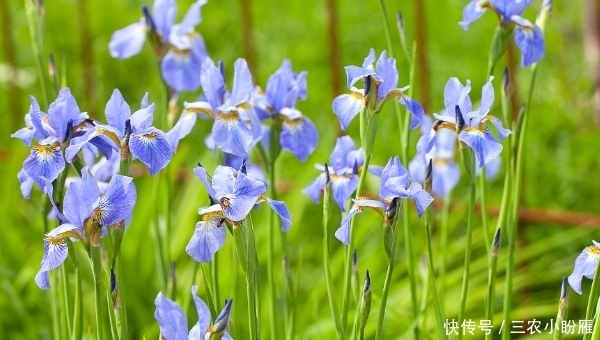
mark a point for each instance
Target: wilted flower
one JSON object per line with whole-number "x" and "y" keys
{"x": 344, "y": 164}
{"x": 395, "y": 183}
{"x": 585, "y": 265}
{"x": 470, "y": 125}
{"x": 173, "y": 322}
{"x": 86, "y": 214}
{"x": 528, "y": 37}
{"x": 235, "y": 194}
{"x": 298, "y": 133}
{"x": 181, "y": 64}
{"x": 382, "y": 79}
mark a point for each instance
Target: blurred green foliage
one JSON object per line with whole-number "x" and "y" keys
{"x": 561, "y": 168}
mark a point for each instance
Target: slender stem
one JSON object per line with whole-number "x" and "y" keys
{"x": 35, "y": 22}
{"x": 78, "y": 305}
{"x": 386, "y": 289}
{"x": 444, "y": 226}
{"x": 158, "y": 248}
{"x": 250, "y": 290}
{"x": 491, "y": 291}
{"x": 593, "y": 298}
{"x": 326, "y": 263}
{"x": 483, "y": 192}
{"x": 596, "y": 332}
{"x": 66, "y": 302}
{"x": 95, "y": 258}
{"x": 470, "y": 222}
{"x": 270, "y": 255}
{"x": 437, "y": 305}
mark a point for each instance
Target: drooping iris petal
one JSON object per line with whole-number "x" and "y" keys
{"x": 299, "y": 136}
{"x": 502, "y": 132}
{"x": 208, "y": 238}
{"x": 152, "y": 148}
{"x": 342, "y": 188}
{"x": 530, "y": 41}
{"x": 181, "y": 69}
{"x": 25, "y": 134}
{"x": 55, "y": 252}
{"x": 200, "y": 172}
{"x": 315, "y": 188}
{"x": 117, "y": 111}
{"x": 171, "y": 319}
{"x": 483, "y": 143}
{"x": 421, "y": 197}
{"x": 416, "y": 111}
{"x": 44, "y": 161}
{"x": 128, "y": 41}
{"x": 343, "y": 232}
{"x": 426, "y": 142}
{"x": 80, "y": 198}
{"x": 231, "y": 134}
{"x": 585, "y": 265}
{"x": 472, "y": 12}
{"x": 245, "y": 194}
{"x": 117, "y": 202}
{"x": 347, "y": 106}
{"x": 182, "y": 128}
{"x": 445, "y": 177}
{"x": 26, "y": 183}
{"x": 283, "y": 213}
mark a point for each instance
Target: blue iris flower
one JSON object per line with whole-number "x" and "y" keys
{"x": 236, "y": 128}
{"x": 385, "y": 79}
{"x": 395, "y": 183}
{"x": 173, "y": 322}
{"x": 235, "y": 194}
{"x": 585, "y": 265}
{"x": 298, "y": 133}
{"x": 472, "y": 130}
{"x": 54, "y": 132}
{"x": 147, "y": 143}
{"x": 528, "y": 37}
{"x": 85, "y": 210}
{"x": 445, "y": 172}
{"x": 344, "y": 164}
{"x": 181, "y": 64}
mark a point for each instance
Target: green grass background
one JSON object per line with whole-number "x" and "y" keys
{"x": 561, "y": 171}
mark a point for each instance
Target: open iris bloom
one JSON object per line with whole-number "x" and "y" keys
{"x": 585, "y": 265}
{"x": 236, "y": 128}
{"x": 86, "y": 216}
{"x": 470, "y": 125}
{"x": 395, "y": 184}
{"x": 173, "y": 322}
{"x": 54, "y": 132}
{"x": 380, "y": 86}
{"x": 445, "y": 171}
{"x": 298, "y": 133}
{"x": 344, "y": 164}
{"x": 185, "y": 50}
{"x": 528, "y": 37}
{"x": 136, "y": 132}
{"x": 235, "y": 194}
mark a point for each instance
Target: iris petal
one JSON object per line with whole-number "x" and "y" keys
{"x": 202, "y": 311}
{"x": 118, "y": 200}
{"x": 171, "y": 319}
{"x": 80, "y": 198}
{"x": 347, "y": 106}
{"x": 421, "y": 197}
{"x": 531, "y": 43}
{"x": 283, "y": 213}
{"x": 299, "y": 136}
{"x": 231, "y": 134}
{"x": 242, "y": 83}
{"x": 483, "y": 143}
{"x": 343, "y": 232}
{"x": 117, "y": 111}
{"x": 200, "y": 172}
{"x": 472, "y": 12}
{"x": 44, "y": 161}
{"x": 315, "y": 188}
{"x": 182, "y": 128}
{"x": 128, "y": 41}
{"x": 181, "y": 69}
{"x": 342, "y": 188}
{"x": 208, "y": 238}
{"x": 416, "y": 111}
{"x": 152, "y": 148}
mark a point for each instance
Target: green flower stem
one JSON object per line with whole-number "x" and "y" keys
{"x": 326, "y": 262}
{"x": 246, "y": 251}
{"x": 95, "y": 259}
{"x": 593, "y": 298}
{"x": 55, "y": 314}
{"x": 483, "y": 194}
{"x": 78, "y": 305}
{"x": 468, "y": 246}
{"x": 386, "y": 284}
{"x": 437, "y": 305}
{"x": 35, "y": 21}
{"x": 210, "y": 299}
{"x": 563, "y": 311}
{"x": 596, "y": 331}
{"x": 161, "y": 268}
{"x": 491, "y": 290}
{"x": 270, "y": 254}
{"x": 444, "y": 226}
{"x": 66, "y": 295}
{"x": 350, "y": 248}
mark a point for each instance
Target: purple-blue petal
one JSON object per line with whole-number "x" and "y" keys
{"x": 531, "y": 43}
{"x": 80, "y": 197}
{"x": 339, "y": 156}
{"x": 181, "y": 69}
{"x": 472, "y": 12}
{"x": 202, "y": 175}
{"x": 347, "y": 106}
{"x": 386, "y": 69}
{"x": 502, "y": 132}
{"x": 421, "y": 198}
{"x": 393, "y": 168}
{"x": 202, "y": 311}
{"x": 44, "y": 161}
{"x": 208, "y": 238}
{"x": 585, "y": 265}
{"x": 141, "y": 119}
{"x": 232, "y": 135}
{"x": 282, "y": 211}
{"x": 342, "y": 187}
{"x": 242, "y": 83}
{"x": 457, "y": 94}
{"x": 416, "y": 111}
{"x": 246, "y": 191}
{"x": 343, "y": 232}
{"x": 128, "y": 41}
{"x": 62, "y": 111}
{"x": 300, "y": 137}
{"x": 213, "y": 84}
{"x": 223, "y": 179}
{"x": 171, "y": 319}
{"x": 484, "y": 144}
{"x": 118, "y": 200}
{"x": 117, "y": 111}
{"x": 26, "y": 184}
{"x": 193, "y": 17}
{"x": 315, "y": 188}
{"x": 355, "y": 73}
{"x": 182, "y": 128}
{"x": 152, "y": 148}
